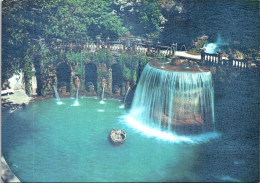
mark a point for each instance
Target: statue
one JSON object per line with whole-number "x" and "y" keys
{"x": 77, "y": 82}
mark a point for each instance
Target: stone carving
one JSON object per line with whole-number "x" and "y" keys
{"x": 127, "y": 85}
{"x": 117, "y": 137}
{"x": 77, "y": 82}
{"x": 103, "y": 82}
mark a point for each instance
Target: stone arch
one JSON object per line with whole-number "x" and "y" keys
{"x": 63, "y": 73}
{"x": 90, "y": 76}
{"x": 117, "y": 77}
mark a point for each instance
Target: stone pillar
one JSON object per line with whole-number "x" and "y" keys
{"x": 149, "y": 47}
{"x": 158, "y": 47}
{"x": 174, "y": 46}
{"x": 230, "y": 60}
{"x": 220, "y": 57}
{"x": 109, "y": 86}
{"x": 34, "y": 84}
{"x": 124, "y": 44}
{"x": 71, "y": 46}
{"x": 133, "y": 45}
{"x": 202, "y": 52}
{"x": 108, "y": 43}
{"x": 249, "y": 62}
{"x": 98, "y": 43}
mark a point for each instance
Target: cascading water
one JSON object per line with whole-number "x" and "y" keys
{"x": 171, "y": 98}
{"x": 57, "y": 95}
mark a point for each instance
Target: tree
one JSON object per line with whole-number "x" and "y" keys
{"x": 28, "y": 24}
{"x": 141, "y": 18}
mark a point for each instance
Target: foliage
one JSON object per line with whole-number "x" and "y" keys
{"x": 74, "y": 58}
{"x": 143, "y": 19}
{"x": 28, "y": 73}
{"x": 101, "y": 57}
{"x": 103, "y": 74}
{"x": 77, "y": 20}
{"x": 16, "y": 37}
{"x": 129, "y": 65}
{"x": 253, "y": 53}
{"x": 27, "y": 23}
{"x": 79, "y": 71}
{"x": 200, "y": 45}
{"x": 149, "y": 18}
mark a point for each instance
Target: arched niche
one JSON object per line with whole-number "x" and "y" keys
{"x": 90, "y": 76}
{"x": 63, "y": 72}
{"x": 117, "y": 77}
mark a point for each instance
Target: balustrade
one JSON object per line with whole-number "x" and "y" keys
{"x": 146, "y": 47}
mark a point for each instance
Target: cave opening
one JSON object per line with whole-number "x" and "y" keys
{"x": 90, "y": 76}
{"x": 63, "y": 76}
{"x": 117, "y": 78}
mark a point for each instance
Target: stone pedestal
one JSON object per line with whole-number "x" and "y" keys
{"x": 63, "y": 89}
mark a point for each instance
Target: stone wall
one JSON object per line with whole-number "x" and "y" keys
{"x": 16, "y": 82}
{"x": 104, "y": 77}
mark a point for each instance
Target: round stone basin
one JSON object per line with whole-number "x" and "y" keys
{"x": 179, "y": 66}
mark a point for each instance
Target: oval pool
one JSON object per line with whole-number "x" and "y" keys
{"x": 46, "y": 142}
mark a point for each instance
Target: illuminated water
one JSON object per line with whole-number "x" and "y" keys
{"x": 76, "y": 103}
{"x": 46, "y": 142}
{"x": 58, "y": 101}
{"x": 173, "y": 101}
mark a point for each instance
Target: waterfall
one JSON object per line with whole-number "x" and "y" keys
{"x": 174, "y": 101}
{"x": 57, "y": 95}
{"x": 128, "y": 89}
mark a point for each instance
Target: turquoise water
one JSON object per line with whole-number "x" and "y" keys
{"x": 46, "y": 142}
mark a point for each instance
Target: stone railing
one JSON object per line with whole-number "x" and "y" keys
{"x": 138, "y": 46}
{"x": 218, "y": 59}
{"x": 125, "y": 44}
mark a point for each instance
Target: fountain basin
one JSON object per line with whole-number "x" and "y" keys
{"x": 179, "y": 66}
{"x": 176, "y": 97}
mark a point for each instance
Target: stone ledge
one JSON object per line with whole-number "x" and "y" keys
{"x": 6, "y": 173}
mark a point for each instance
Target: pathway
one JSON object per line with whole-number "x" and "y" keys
{"x": 187, "y": 55}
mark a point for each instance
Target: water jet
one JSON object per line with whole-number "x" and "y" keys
{"x": 76, "y": 103}
{"x": 59, "y": 102}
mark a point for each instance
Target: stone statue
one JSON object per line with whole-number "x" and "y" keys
{"x": 77, "y": 82}
{"x": 103, "y": 82}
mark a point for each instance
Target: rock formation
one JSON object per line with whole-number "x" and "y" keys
{"x": 117, "y": 137}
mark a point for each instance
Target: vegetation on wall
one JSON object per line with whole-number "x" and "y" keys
{"x": 130, "y": 66}
{"x": 101, "y": 57}
{"x": 27, "y": 23}
{"x": 28, "y": 73}
{"x": 200, "y": 45}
